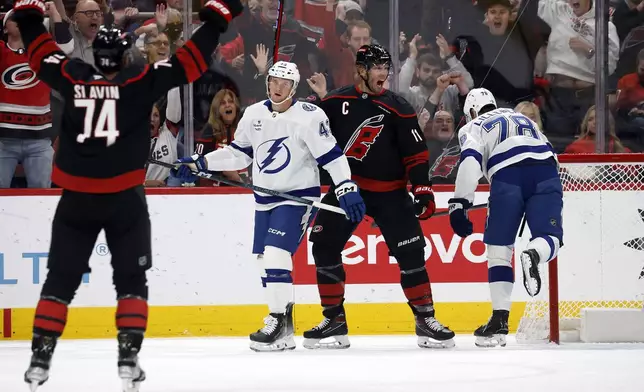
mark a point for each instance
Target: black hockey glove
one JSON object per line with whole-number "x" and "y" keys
{"x": 33, "y": 10}
{"x": 220, "y": 12}
{"x": 424, "y": 204}
{"x": 461, "y": 224}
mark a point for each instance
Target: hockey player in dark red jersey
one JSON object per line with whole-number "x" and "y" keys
{"x": 104, "y": 145}
{"x": 379, "y": 133}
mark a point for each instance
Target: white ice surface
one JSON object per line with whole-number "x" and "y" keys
{"x": 375, "y": 364}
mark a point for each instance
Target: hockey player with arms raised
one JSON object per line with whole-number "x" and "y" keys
{"x": 379, "y": 133}
{"x": 516, "y": 158}
{"x": 104, "y": 146}
{"x": 285, "y": 140}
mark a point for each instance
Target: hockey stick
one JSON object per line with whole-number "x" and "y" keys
{"x": 213, "y": 176}
{"x": 474, "y": 207}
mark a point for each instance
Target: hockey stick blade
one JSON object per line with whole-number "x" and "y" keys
{"x": 213, "y": 176}
{"x": 474, "y": 207}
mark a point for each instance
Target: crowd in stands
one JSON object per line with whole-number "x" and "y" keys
{"x": 537, "y": 56}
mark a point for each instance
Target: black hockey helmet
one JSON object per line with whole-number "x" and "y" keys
{"x": 370, "y": 55}
{"x": 109, "y": 48}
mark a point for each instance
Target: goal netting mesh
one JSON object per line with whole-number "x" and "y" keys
{"x": 601, "y": 263}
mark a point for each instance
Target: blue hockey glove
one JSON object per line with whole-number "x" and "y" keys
{"x": 461, "y": 224}
{"x": 350, "y": 200}
{"x": 189, "y": 165}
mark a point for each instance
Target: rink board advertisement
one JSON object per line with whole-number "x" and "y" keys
{"x": 205, "y": 281}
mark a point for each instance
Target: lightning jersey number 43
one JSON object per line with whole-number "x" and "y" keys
{"x": 284, "y": 149}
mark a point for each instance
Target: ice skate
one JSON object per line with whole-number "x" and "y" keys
{"x": 431, "y": 333}
{"x": 493, "y": 333}
{"x": 129, "y": 369}
{"x": 531, "y": 277}
{"x": 277, "y": 333}
{"x": 42, "y": 348}
{"x": 329, "y": 334}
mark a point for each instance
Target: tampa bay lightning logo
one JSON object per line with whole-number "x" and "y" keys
{"x": 19, "y": 77}
{"x": 273, "y": 156}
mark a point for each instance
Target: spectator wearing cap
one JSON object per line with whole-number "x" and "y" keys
{"x": 25, "y": 117}
{"x": 571, "y": 64}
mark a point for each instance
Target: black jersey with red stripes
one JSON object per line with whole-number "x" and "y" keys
{"x": 104, "y": 141}
{"x": 380, "y": 136}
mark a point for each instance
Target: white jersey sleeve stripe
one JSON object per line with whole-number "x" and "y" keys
{"x": 246, "y": 150}
{"x": 474, "y": 154}
{"x": 330, "y": 156}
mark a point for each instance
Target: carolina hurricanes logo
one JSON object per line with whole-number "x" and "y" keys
{"x": 19, "y": 77}
{"x": 446, "y": 162}
{"x": 363, "y": 137}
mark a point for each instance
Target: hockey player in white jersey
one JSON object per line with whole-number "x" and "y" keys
{"x": 285, "y": 140}
{"x": 511, "y": 152}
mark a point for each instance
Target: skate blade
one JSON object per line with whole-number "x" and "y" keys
{"x": 131, "y": 378}
{"x": 530, "y": 283}
{"x": 279, "y": 345}
{"x": 35, "y": 377}
{"x": 331, "y": 343}
{"x": 427, "y": 342}
{"x": 130, "y": 385}
{"x": 490, "y": 341}
{"x": 34, "y": 386}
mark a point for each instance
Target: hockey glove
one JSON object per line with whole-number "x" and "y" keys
{"x": 188, "y": 166}
{"x": 350, "y": 200}
{"x": 461, "y": 224}
{"x": 220, "y": 12}
{"x": 29, "y": 9}
{"x": 424, "y": 205}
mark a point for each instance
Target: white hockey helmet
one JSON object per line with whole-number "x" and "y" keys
{"x": 477, "y": 99}
{"x": 283, "y": 70}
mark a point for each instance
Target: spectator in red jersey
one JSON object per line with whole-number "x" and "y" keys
{"x": 630, "y": 102}
{"x": 25, "y": 117}
{"x": 585, "y": 143}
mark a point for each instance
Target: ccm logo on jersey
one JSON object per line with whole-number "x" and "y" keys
{"x": 273, "y": 156}
{"x": 363, "y": 137}
{"x": 276, "y": 232}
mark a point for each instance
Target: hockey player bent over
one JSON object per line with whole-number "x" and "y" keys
{"x": 287, "y": 140}
{"x": 517, "y": 159}
{"x": 104, "y": 146}
{"x": 379, "y": 133}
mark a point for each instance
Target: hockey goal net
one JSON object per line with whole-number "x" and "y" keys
{"x": 601, "y": 262}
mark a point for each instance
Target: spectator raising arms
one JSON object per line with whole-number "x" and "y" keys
{"x": 25, "y": 116}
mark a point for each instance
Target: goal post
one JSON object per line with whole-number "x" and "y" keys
{"x": 594, "y": 290}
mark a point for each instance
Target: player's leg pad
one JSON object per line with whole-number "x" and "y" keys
{"x": 278, "y": 281}
{"x": 277, "y": 333}
{"x": 493, "y": 333}
{"x": 330, "y": 278}
{"x": 414, "y": 279}
{"x": 500, "y": 276}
